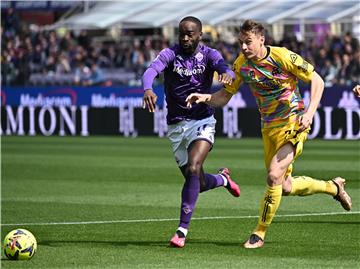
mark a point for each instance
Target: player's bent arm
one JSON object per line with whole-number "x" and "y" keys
{"x": 317, "y": 89}
{"x": 150, "y": 98}
{"x": 356, "y": 90}
{"x": 217, "y": 99}
{"x": 148, "y": 78}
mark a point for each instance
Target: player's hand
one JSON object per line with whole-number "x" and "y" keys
{"x": 149, "y": 100}
{"x": 225, "y": 78}
{"x": 305, "y": 121}
{"x": 197, "y": 98}
{"x": 356, "y": 90}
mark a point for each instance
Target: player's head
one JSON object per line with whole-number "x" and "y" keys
{"x": 190, "y": 32}
{"x": 252, "y": 39}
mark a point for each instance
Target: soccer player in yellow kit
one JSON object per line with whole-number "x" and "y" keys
{"x": 272, "y": 74}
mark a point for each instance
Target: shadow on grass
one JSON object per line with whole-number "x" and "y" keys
{"x": 59, "y": 243}
{"x": 194, "y": 242}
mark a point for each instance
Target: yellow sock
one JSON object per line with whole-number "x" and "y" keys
{"x": 260, "y": 230}
{"x": 304, "y": 185}
{"x": 268, "y": 207}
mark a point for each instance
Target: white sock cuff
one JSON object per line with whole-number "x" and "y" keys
{"x": 225, "y": 180}
{"x": 183, "y": 230}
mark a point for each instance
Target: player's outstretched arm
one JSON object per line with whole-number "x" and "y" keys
{"x": 356, "y": 90}
{"x": 226, "y": 78}
{"x": 149, "y": 100}
{"x": 217, "y": 99}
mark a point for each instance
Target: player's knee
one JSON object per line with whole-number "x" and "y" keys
{"x": 194, "y": 168}
{"x": 274, "y": 178}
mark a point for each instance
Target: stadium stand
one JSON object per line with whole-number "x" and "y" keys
{"x": 61, "y": 52}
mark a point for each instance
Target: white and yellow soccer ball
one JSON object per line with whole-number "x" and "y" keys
{"x": 20, "y": 244}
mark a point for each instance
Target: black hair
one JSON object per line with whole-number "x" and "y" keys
{"x": 194, "y": 20}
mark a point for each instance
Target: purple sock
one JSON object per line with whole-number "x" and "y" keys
{"x": 189, "y": 195}
{"x": 213, "y": 181}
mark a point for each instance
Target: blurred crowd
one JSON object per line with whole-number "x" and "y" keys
{"x": 336, "y": 59}
{"x": 31, "y": 56}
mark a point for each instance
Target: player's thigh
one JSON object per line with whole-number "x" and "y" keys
{"x": 201, "y": 130}
{"x": 198, "y": 151}
{"x": 178, "y": 143}
{"x": 284, "y": 144}
{"x": 269, "y": 147}
{"x": 200, "y": 138}
{"x": 281, "y": 160}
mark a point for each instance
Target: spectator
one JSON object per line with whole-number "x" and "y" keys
{"x": 48, "y": 51}
{"x": 37, "y": 59}
{"x": 23, "y": 68}
{"x": 86, "y": 76}
{"x": 8, "y": 70}
{"x": 347, "y": 71}
{"x": 329, "y": 72}
{"x": 50, "y": 67}
{"x": 83, "y": 39}
{"x": 63, "y": 65}
{"x": 11, "y": 23}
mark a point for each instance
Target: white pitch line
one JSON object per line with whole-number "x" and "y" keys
{"x": 162, "y": 220}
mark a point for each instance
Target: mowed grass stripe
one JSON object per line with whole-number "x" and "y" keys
{"x": 175, "y": 219}
{"x": 76, "y": 179}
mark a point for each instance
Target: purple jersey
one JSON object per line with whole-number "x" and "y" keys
{"x": 186, "y": 74}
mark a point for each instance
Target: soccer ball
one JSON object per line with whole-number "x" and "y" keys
{"x": 20, "y": 244}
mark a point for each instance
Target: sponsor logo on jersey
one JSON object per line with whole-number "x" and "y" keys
{"x": 182, "y": 71}
{"x": 304, "y": 66}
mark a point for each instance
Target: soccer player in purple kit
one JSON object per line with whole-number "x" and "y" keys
{"x": 189, "y": 67}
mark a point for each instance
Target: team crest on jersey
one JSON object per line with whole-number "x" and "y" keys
{"x": 199, "y": 56}
{"x": 293, "y": 57}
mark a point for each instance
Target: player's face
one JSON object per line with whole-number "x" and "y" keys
{"x": 189, "y": 36}
{"x": 252, "y": 45}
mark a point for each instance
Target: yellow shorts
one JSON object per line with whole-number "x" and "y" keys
{"x": 274, "y": 138}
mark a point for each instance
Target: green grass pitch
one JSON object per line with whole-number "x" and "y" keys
{"x": 112, "y": 202}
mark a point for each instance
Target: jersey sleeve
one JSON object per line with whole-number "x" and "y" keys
{"x": 162, "y": 60}
{"x": 234, "y": 87}
{"x": 217, "y": 62}
{"x": 295, "y": 64}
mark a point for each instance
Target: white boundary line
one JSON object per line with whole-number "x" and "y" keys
{"x": 163, "y": 220}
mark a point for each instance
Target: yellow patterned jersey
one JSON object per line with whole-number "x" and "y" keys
{"x": 273, "y": 81}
